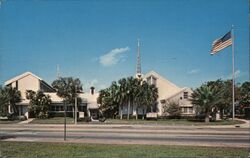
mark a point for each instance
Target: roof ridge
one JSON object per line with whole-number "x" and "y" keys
{"x": 20, "y": 77}
{"x": 171, "y": 83}
{"x": 182, "y": 89}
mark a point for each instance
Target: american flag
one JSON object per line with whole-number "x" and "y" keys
{"x": 222, "y": 43}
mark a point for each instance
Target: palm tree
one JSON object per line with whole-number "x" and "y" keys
{"x": 153, "y": 95}
{"x": 114, "y": 98}
{"x": 109, "y": 100}
{"x": 206, "y": 97}
{"x": 122, "y": 93}
{"x": 130, "y": 92}
{"x": 245, "y": 95}
{"x": 146, "y": 96}
{"x": 10, "y": 96}
{"x": 67, "y": 88}
{"x": 39, "y": 103}
{"x": 103, "y": 100}
{"x": 138, "y": 98}
{"x": 4, "y": 101}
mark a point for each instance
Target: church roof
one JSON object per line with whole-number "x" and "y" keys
{"x": 20, "y": 77}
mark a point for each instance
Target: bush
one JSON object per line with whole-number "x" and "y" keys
{"x": 59, "y": 114}
{"x": 42, "y": 115}
{"x": 247, "y": 113}
{"x": 195, "y": 119}
{"x": 12, "y": 117}
{"x": 125, "y": 116}
{"x": 142, "y": 116}
{"x": 199, "y": 118}
{"x": 103, "y": 119}
{"x": 172, "y": 110}
{"x": 22, "y": 118}
{"x": 85, "y": 119}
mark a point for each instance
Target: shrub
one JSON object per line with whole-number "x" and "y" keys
{"x": 85, "y": 119}
{"x": 103, "y": 119}
{"x": 172, "y": 110}
{"x": 12, "y": 117}
{"x": 22, "y": 118}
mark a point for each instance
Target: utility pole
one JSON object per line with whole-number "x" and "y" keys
{"x": 76, "y": 106}
{"x": 64, "y": 105}
{"x": 64, "y": 120}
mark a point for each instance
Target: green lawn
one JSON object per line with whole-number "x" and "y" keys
{"x": 172, "y": 122}
{"x": 69, "y": 150}
{"x": 54, "y": 120}
{"x": 60, "y": 120}
{"x": 8, "y": 121}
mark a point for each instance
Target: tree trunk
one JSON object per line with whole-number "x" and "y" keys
{"x": 207, "y": 117}
{"x": 221, "y": 113}
{"x": 14, "y": 108}
{"x": 121, "y": 112}
{"x": 136, "y": 116}
{"x": 132, "y": 108}
{"x": 143, "y": 114}
{"x": 128, "y": 109}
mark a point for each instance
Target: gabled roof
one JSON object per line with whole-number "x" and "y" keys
{"x": 20, "y": 77}
{"x": 27, "y": 74}
{"x": 155, "y": 74}
{"x": 182, "y": 90}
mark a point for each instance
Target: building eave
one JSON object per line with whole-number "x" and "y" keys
{"x": 175, "y": 94}
{"x": 20, "y": 77}
{"x": 157, "y": 75}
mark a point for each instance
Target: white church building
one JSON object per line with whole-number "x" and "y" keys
{"x": 167, "y": 92}
{"x": 29, "y": 81}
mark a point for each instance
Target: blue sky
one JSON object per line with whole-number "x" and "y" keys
{"x": 95, "y": 40}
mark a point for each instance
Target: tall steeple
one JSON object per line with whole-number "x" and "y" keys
{"x": 138, "y": 63}
{"x": 57, "y": 72}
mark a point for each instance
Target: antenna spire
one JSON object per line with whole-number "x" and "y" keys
{"x": 138, "y": 64}
{"x": 57, "y": 71}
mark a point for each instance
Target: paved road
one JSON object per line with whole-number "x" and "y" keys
{"x": 129, "y": 134}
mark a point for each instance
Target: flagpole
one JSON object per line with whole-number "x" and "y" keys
{"x": 232, "y": 32}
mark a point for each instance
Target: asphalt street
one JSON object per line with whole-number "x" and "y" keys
{"x": 129, "y": 134}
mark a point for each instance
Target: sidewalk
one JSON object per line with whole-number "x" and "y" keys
{"x": 26, "y": 121}
{"x": 243, "y": 125}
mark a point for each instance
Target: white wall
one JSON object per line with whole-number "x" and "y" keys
{"x": 28, "y": 83}
{"x": 183, "y": 102}
{"x": 165, "y": 88}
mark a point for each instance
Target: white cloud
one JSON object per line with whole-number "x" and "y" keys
{"x": 94, "y": 59}
{"x": 113, "y": 57}
{"x": 237, "y": 74}
{"x": 89, "y": 83}
{"x": 102, "y": 86}
{"x": 193, "y": 71}
{"x": 95, "y": 83}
